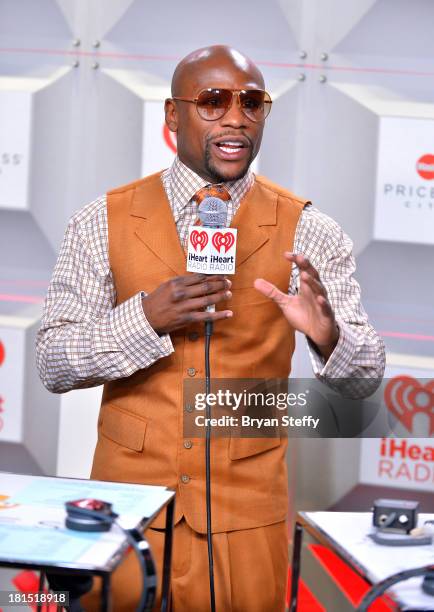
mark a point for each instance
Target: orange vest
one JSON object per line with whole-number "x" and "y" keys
{"x": 140, "y": 428}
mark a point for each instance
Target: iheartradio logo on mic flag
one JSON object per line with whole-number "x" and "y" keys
{"x": 211, "y": 250}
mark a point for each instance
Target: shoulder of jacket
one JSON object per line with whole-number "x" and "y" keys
{"x": 130, "y": 187}
{"x": 280, "y": 191}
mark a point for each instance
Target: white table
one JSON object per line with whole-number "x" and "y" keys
{"x": 346, "y": 533}
{"x": 33, "y": 533}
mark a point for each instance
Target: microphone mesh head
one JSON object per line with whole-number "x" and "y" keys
{"x": 213, "y": 212}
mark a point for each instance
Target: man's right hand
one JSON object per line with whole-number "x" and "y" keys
{"x": 181, "y": 301}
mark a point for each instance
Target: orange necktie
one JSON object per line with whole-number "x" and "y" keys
{"x": 216, "y": 191}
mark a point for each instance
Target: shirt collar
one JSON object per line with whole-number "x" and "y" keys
{"x": 184, "y": 183}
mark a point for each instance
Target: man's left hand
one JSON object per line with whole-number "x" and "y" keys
{"x": 309, "y": 311}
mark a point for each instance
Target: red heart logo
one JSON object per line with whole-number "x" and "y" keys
{"x": 406, "y": 396}
{"x": 220, "y": 240}
{"x": 198, "y": 239}
{"x": 2, "y": 352}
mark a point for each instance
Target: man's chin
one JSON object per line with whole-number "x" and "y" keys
{"x": 226, "y": 173}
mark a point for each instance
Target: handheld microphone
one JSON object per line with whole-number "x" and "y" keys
{"x": 213, "y": 214}
{"x": 212, "y": 246}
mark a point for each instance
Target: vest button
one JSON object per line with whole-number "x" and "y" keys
{"x": 188, "y": 443}
{"x": 193, "y": 336}
{"x": 189, "y": 408}
{"x": 185, "y": 479}
{"x": 191, "y": 372}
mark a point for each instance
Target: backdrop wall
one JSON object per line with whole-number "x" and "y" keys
{"x": 352, "y": 127}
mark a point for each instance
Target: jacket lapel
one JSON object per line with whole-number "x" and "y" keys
{"x": 257, "y": 211}
{"x": 157, "y": 230}
{"x": 155, "y": 224}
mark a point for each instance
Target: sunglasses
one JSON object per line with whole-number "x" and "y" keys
{"x": 213, "y": 103}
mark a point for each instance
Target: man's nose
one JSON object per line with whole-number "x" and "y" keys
{"x": 234, "y": 117}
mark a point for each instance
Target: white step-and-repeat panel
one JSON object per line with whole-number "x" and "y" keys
{"x": 402, "y": 461}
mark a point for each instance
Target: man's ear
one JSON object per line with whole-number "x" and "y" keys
{"x": 171, "y": 115}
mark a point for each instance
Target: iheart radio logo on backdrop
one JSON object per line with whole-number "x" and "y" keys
{"x": 220, "y": 240}
{"x": 425, "y": 167}
{"x": 199, "y": 240}
{"x": 406, "y": 398}
{"x": 2, "y": 353}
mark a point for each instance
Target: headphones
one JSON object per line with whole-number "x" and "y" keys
{"x": 97, "y": 515}
{"x": 89, "y": 515}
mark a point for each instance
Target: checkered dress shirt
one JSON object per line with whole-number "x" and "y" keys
{"x": 85, "y": 339}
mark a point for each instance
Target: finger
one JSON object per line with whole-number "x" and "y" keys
{"x": 181, "y": 289}
{"x": 325, "y": 306}
{"x": 316, "y": 286}
{"x": 207, "y": 287}
{"x": 187, "y": 318}
{"x": 271, "y": 291}
{"x": 206, "y": 300}
{"x": 196, "y": 278}
{"x": 195, "y": 317}
{"x": 302, "y": 263}
{"x": 177, "y": 286}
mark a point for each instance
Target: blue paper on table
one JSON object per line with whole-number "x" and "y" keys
{"x": 54, "y": 493}
{"x": 47, "y": 545}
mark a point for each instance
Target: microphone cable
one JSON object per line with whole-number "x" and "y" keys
{"x": 208, "y": 333}
{"x": 212, "y": 213}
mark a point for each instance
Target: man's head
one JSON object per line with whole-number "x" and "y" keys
{"x": 222, "y": 149}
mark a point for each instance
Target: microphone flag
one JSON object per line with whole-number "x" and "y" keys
{"x": 211, "y": 250}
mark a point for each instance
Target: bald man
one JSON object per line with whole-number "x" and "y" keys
{"x": 121, "y": 311}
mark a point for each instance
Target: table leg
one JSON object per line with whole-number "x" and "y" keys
{"x": 295, "y": 566}
{"x": 40, "y": 588}
{"x": 167, "y": 560}
{"x": 105, "y": 593}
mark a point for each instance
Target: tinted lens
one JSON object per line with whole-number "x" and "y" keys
{"x": 213, "y": 103}
{"x": 256, "y": 104}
